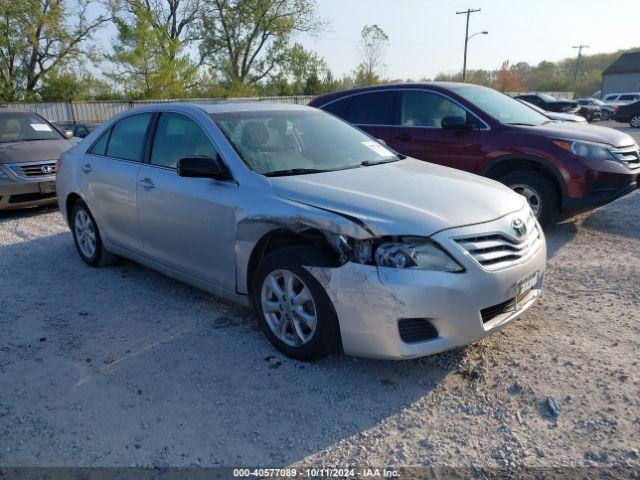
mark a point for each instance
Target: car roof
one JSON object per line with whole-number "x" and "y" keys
{"x": 392, "y": 86}
{"x": 223, "y": 106}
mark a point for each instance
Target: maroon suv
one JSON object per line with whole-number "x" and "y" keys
{"x": 562, "y": 168}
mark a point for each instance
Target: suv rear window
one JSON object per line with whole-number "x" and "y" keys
{"x": 375, "y": 108}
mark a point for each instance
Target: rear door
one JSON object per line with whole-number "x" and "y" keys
{"x": 187, "y": 223}
{"x": 108, "y": 177}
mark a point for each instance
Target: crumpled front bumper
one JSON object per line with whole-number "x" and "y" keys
{"x": 369, "y": 302}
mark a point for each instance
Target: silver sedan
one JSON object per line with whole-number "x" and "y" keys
{"x": 337, "y": 242}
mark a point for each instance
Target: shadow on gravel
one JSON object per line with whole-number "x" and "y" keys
{"x": 7, "y": 215}
{"x": 620, "y": 218}
{"x": 558, "y": 236}
{"x": 157, "y": 373}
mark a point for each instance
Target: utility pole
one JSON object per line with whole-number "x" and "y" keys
{"x": 575, "y": 72}
{"x": 468, "y": 13}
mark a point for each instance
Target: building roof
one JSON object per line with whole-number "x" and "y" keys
{"x": 626, "y": 63}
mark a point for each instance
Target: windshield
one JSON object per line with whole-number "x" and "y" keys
{"x": 292, "y": 142}
{"x": 25, "y": 126}
{"x": 500, "y": 106}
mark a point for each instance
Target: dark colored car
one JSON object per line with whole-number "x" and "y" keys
{"x": 550, "y": 104}
{"x": 628, "y": 113}
{"x": 606, "y": 111}
{"x": 562, "y": 168}
{"x": 79, "y": 130}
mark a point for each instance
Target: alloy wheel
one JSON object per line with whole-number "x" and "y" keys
{"x": 85, "y": 233}
{"x": 635, "y": 121}
{"x": 288, "y": 307}
{"x": 532, "y": 196}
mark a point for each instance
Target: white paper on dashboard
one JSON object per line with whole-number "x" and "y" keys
{"x": 378, "y": 148}
{"x": 41, "y": 127}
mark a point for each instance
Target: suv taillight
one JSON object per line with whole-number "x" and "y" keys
{"x": 58, "y": 163}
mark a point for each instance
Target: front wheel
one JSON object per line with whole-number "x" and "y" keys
{"x": 293, "y": 309}
{"x": 635, "y": 121}
{"x": 605, "y": 115}
{"x": 540, "y": 192}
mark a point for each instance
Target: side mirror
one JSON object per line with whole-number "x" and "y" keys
{"x": 455, "y": 123}
{"x": 202, "y": 167}
{"x": 381, "y": 141}
{"x": 68, "y": 134}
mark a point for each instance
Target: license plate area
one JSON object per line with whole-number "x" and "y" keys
{"x": 524, "y": 285}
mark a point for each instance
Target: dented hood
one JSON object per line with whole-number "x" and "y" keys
{"x": 408, "y": 197}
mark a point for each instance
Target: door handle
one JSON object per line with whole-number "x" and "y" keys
{"x": 147, "y": 184}
{"x": 87, "y": 168}
{"x": 402, "y": 136}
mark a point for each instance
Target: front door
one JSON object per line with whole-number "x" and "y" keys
{"x": 421, "y": 135}
{"x": 187, "y": 224}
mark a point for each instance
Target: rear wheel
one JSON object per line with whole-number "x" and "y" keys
{"x": 293, "y": 308}
{"x": 540, "y": 192}
{"x": 635, "y": 121}
{"x": 87, "y": 236}
{"x": 605, "y": 115}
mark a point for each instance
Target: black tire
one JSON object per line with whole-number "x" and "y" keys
{"x": 634, "y": 121}
{"x": 605, "y": 115}
{"x": 543, "y": 186}
{"x": 326, "y": 338}
{"x": 100, "y": 256}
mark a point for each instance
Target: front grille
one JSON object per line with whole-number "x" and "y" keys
{"x": 414, "y": 330}
{"x": 35, "y": 169}
{"x": 497, "y": 250}
{"x": 630, "y": 156}
{"x": 492, "y": 312}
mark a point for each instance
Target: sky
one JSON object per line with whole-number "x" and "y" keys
{"x": 426, "y": 37}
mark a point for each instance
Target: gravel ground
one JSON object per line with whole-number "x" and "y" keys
{"x": 121, "y": 366}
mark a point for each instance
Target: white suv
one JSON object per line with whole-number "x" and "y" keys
{"x": 617, "y": 99}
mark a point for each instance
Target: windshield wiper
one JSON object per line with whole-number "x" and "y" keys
{"x": 368, "y": 163}
{"x": 293, "y": 171}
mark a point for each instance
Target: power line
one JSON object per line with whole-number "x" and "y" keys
{"x": 468, "y": 13}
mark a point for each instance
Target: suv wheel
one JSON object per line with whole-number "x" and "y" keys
{"x": 87, "y": 236}
{"x": 539, "y": 191}
{"x": 635, "y": 121}
{"x": 293, "y": 308}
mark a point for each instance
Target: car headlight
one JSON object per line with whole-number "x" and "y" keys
{"x": 595, "y": 151}
{"x": 413, "y": 252}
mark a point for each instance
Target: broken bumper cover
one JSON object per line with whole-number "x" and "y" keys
{"x": 370, "y": 301}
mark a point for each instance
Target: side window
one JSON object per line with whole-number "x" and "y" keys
{"x": 100, "y": 147}
{"x": 339, "y": 107}
{"x": 375, "y": 108}
{"x": 176, "y": 137}
{"x": 427, "y": 109}
{"x": 127, "y": 137}
{"x": 628, "y": 97}
{"x": 610, "y": 98}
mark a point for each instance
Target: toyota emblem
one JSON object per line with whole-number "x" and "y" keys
{"x": 519, "y": 227}
{"x": 46, "y": 169}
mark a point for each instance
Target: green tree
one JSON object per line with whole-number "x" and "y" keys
{"x": 38, "y": 37}
{"x": 305, "y": 69}
{"x": 373, "y": 44}
{"x": 248, "y": 40}
{"x": 150, "y": 53}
